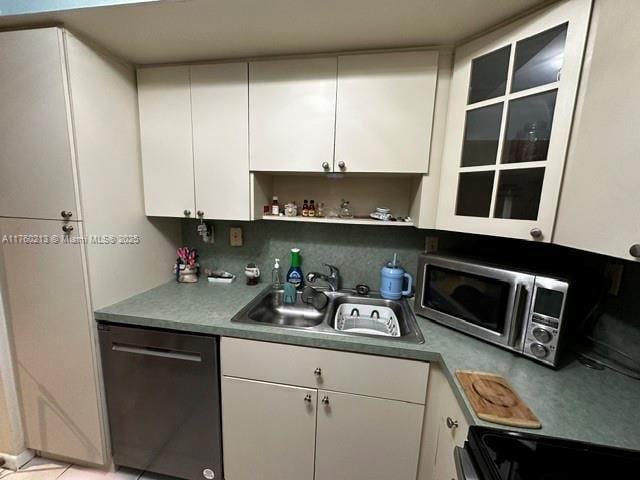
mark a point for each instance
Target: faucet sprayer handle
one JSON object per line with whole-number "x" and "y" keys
{"x": 333, "y": 269}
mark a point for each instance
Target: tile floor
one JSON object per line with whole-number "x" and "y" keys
{"x": 43, "y": 469}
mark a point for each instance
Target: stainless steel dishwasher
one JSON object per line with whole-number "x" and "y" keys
{"x": 163, "y": 398}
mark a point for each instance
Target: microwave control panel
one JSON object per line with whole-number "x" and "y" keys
{"x": 544, "y": 325}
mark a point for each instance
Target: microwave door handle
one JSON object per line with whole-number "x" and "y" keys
{"x": 517, "y": 316}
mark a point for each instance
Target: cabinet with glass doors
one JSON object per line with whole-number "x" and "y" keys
{"x": 512, "y": 98}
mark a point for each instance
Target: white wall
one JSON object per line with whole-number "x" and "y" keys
{"x": 425, "y": 201}
{"x": 104, "y": 102}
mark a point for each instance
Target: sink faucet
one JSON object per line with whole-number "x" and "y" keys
{"x": 333, "y": 279}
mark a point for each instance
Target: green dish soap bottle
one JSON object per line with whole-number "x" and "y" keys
{"x": 294, "y": 275}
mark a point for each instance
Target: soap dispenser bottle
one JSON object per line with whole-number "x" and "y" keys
{"x": 276, "y": 275}
{"x": 294, "y": 275}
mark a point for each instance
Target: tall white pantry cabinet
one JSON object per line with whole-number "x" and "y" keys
{"x": 71, "y": 184}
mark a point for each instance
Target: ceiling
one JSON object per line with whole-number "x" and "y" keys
{"x": 191, "y": 30}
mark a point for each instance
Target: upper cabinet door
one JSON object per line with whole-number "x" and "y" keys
{"x": 385, "y": 112}
{"x": 510, "y": 108}
{"x": 220, "y": 102}
{"x": 37, "y": 179}
{"x": 165, "y": 133}
{"x": 599, "y": 208}
{"x": 292, "y": 107}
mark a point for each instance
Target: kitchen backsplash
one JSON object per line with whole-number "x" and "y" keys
{"x": 358, "y": 251}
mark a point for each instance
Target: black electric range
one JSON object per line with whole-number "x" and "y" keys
{"x": 492, "y": 454}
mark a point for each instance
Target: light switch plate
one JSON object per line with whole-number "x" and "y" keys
{"x": 235, "y": 236}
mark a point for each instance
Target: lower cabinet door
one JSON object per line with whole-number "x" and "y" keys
{"x": 445, "y": 468}
{"x": 366, "y": 438}
{"x": 268, "y": 430}
{"x": 52, "y": 335}
{"x": 452, "y": 431}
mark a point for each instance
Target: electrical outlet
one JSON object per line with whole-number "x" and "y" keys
{"x": 235, "y": 236}
{"x": 613, "y": 271}
{"x": 430, "y": 244}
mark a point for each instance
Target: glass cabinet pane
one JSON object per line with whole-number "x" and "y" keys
{"x": 489, "y": 75}
{"x": 538, "y": 59}
{"x": 474, "y": 194}
{"x": 519, "y": 193}
{"x": 529, "y": 123}
{"x": 481, "y": 134}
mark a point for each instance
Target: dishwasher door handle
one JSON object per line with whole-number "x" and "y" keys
{"x": 156, "y": 352}
{"x": 464, "y": 465}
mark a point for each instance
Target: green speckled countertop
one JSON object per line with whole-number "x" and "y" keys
{"x": 573, "y": 402}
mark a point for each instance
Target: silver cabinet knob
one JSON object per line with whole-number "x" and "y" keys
{"x": 341, "y": 165}
{"x": 451, "y": 423}
{"x": 325, "y": 165}
{"x": 325, "y": 400}
{"x": 200, "y": 213}
{"x": 635, "y": 250}
{"x": 66, "y": 214}
{"x": 317, "y": 372}
{"x": 187, "y": 213}
{"x": 536, "y": 233}
{"x": 307, "y": 398}
{"x": 67, "y": 228}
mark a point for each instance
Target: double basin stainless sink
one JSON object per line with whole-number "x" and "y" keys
{"x": 269, "y": 309}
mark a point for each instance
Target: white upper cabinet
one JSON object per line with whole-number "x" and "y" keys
{"x": 220, "y": 101}
{"x": 165, "y": 133}
{"x": 385, "y": 112}
{"x": 35, "y": 143}
{"x": 195, "y": 141}
{"x": 511, "y": 103}
{"x": 292, "y": 107}
{"x": 599, "y": 208}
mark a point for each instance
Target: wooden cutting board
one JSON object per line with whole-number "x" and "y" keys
{"x": 494, "y": 400}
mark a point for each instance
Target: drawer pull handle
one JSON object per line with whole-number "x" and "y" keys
{"x": 325, "y": 400}
{"x": 318, "y": 372}
{"x": 451, "y": 423}
{"x": 307, "y": 398}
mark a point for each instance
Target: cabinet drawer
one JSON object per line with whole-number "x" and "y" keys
{"x": 370, "y": 375}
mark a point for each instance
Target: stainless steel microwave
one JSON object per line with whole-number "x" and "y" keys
{"x": 517, "y": 310}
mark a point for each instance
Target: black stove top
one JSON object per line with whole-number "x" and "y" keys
{"x": 504, "y": 455}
